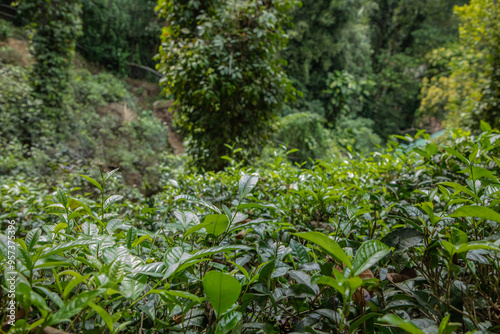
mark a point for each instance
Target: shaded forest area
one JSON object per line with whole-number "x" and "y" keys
{"x": 352, "y": 74}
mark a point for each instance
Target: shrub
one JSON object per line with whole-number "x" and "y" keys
{"x": 305, "y": 132}
{"x": 403, "y": 240}
{"x": 21, "y": 114}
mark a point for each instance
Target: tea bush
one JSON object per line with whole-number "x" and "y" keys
{"x": 404, "y": 240}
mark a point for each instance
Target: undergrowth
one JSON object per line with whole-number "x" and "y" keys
{"x": 405, "y": 240}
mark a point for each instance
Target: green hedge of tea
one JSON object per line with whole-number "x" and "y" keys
{"x": 405, "y": 240}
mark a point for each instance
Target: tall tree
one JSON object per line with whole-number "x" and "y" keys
{"x": 219, "y": 61}
{"x": 56, "y": 25}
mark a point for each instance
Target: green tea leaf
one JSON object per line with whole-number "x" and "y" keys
{"x": 219, "y": 249}
{"x": 104, "y": 315}
{"x": 195, "y": 200}
{"x": 216, "y": 224}
{"x": 259, "y": 206}
{"x": 331, "y": 281}
{"x": 69, "y": 245}
{"x": 476, "y": 212}
{"x": 330, "y": 246}
{"x": 403, "y": 238}
{"x": 247, "y": 183}
{"x": 457, "y": 236}
{"x": 32, "y": 238}
{"x": 177, "y": 293}
{"x": 301, "y": 251}
{"x": 228, "y": 322}
{"x": 479, "y": 172}
{"x": 457, "y": 154}
{"x": 446, "y": 327}
{"x": 408, "y": 326}
{"x": 131, "y": 236}
{"x": 222, "y": 290}
{"x": 91, "y": 180}
{"x": 358, "y": 322}
{"x": 62, "y": 198}
{"x": 116, "y": 270}
{"x": 111, "y": 173}
{"x": 72, "y": 284}
{"x": 74, "y": 306}
{"x": 368, "y": 254}
{"x": 59, "y": 227}
{"x": 140, "y": 240}
{"x": 485, "y": 127}
{"x": 111, "y": 199}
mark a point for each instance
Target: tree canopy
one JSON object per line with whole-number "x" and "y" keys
{"x": 220, "y": 63}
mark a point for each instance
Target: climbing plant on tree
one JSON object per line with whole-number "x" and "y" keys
{"x": 55, "y": 26}
{"x": 219, "y": 61}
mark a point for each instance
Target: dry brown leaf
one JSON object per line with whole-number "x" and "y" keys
{"x": 406, "y": 274}
{"x": 367, "y": 274}
{"x": 240, "y": 234}
{"x": 361, "y": 296}
{"x": 49, "y": 330}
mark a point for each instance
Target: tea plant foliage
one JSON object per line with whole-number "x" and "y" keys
{"x": 405, "y": 240}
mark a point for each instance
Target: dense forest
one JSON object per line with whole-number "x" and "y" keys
{"x": 250, "y": 166}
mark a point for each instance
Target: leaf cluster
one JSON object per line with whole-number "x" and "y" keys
{"x": 403, "y": 240}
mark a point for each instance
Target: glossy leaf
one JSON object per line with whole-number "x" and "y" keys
{"x": 91, "y": 180}
{"x": 367, "y": 255}
{"x": 396, "y": 321}
{"x": 74, "y": 306}
{"x": 104, "y": 315}
{"x": 228, "y": 322}
{"x": 69, "y": 245}
{"x": 222, "y": 290}
{"x": 112, "y": 199}
{"x": 177, "y": 293}
{"x": 403, "y": 238}
{"x": 331, "y": 247}
{"x": 198, "y": 201}
{"x": 246, "y": 185}
{"x": 216, "y": 224}
{"x": 32, "y": 238}
{"x": 476, "y": 212}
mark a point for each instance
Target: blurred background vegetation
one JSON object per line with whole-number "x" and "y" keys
{"x": 78, "y": 80}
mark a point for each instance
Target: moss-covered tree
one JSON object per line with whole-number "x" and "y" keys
{"x": 55, "y": 24}
{"x": 219, "y": 61}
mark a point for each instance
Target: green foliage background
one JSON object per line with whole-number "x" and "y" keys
{"x": 308, "y": 202}
{"x": 119, "y": 32}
